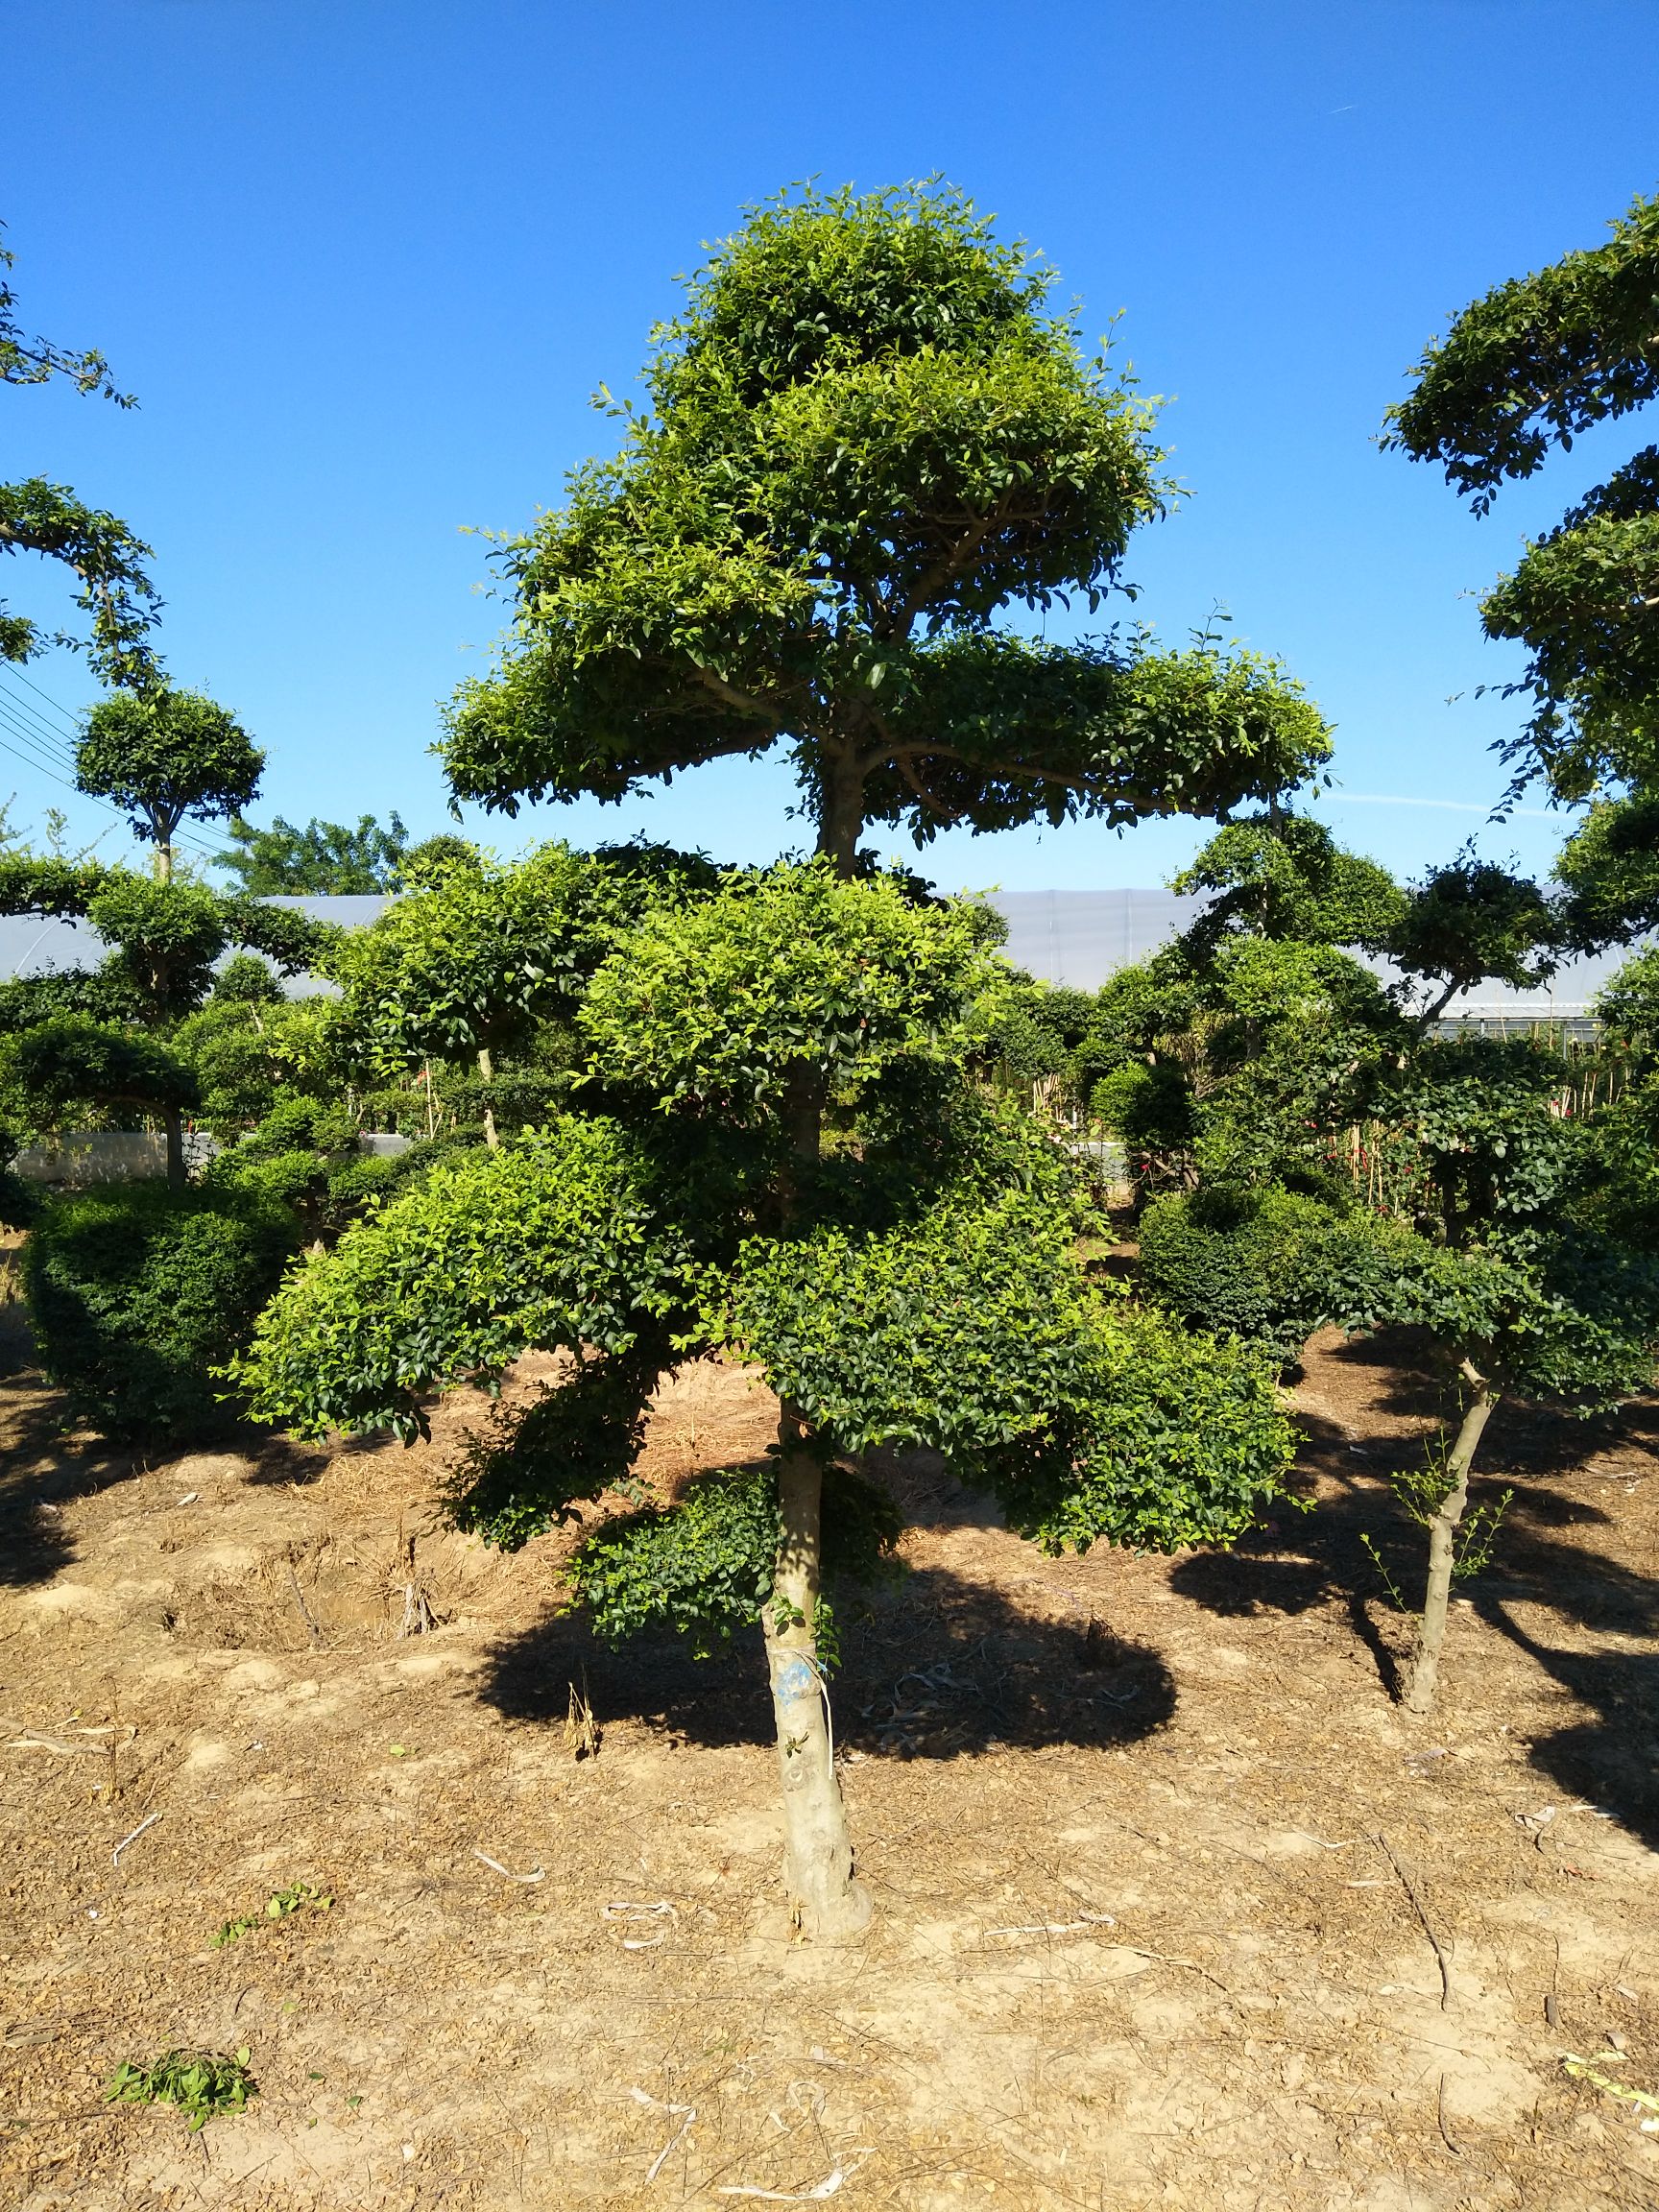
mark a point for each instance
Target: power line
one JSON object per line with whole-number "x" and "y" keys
{"x": 31, "y": 760}
{"x": 58, "y": 755}
{"x": 37, "y": 721}
{"x": 62, "y": 712}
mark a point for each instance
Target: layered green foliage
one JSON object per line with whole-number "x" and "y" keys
{"x": 553, "y": 1243}
{"x": 704, "y": 1567}
{"x": 916, "y": 1285}
{"x": 1529, "y": 366}
{"x": 1284, "y": 876}
{"x": 725, "y": 1004}
{"x": 482, "y": 953}
{"x": 866, "y": 438}
{"x": 568, "y": 1444}
{"x": 137, "y": 1295}
{"x": 1501, "y": 1239}
{"x": 107, "y": 560}
{"x": 70, "y": 1061}
{"x": 1171, "y": 1439}
{"x": 974, "y": 1333}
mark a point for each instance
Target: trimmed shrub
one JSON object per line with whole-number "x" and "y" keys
{"x": 1253, "y": 1265}
{"x": 138, "y": 1294}
{"x": 1176, "y": 1439}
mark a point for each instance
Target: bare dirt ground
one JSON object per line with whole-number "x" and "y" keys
{"x": 1155, "y": 1857}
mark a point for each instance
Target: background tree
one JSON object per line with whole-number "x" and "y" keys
{"x": 1232, "y": 1052}
{"x": 1529, "y": 366}
{"x": 164, "y": 756}
{"x": 1492, "y": 1232}
{"x": 1465, "y": 924}
{"x": 113, "y": 586}
{"x": 164, "y": 938}
{"x": 322, "y": 858}
{"x": 867, "y": 441}
{"x": 480, "y": 958}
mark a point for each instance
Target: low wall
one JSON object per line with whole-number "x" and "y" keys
{"x": 77, "y": 1161}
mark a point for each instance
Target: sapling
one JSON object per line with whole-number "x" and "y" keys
{"x": 1435, "y": 1496}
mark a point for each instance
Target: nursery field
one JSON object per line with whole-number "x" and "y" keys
{"x": 1174, "y": 1905}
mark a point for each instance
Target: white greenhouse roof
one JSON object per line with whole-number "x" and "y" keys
{"x": 1070, "y": 937}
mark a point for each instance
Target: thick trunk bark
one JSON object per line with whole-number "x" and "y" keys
{"x": 1442, "y": 1548}
{"x": 487, "y": 1068}
{"x": 843, "y": 816}
{"x": 825, "y": 1901}
{"x": 173, "y": 1122}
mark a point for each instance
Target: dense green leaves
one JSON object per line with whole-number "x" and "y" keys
{"x": 1283, "y": 875}
{"x": 1538, "y": 360}
{"x": 1531, "y": 365}
{"x": 164, "y": 756}
{"x": 1173, "y": 1439}
{"x": 113, "y": 586}
{"x": 809, "y": 534}
{"x": 571, "y": 1441}
{"x": 137, "y": 1295}
{"x": 957, "y": 1331}
{"x": 72, "y": 1060}
{"x": 703, "y": 1566}
{"x": 789, "y": 975}
{"x": 551, "y": 1242}
{"x": 482, "y": 950}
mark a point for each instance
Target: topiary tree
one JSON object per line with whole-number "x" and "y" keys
{"x": 136, "y": 1295}
{"x": 1231, "y": 1055}
{"x": 1284, "y": 876}
{"x": 1531, "y": 365}
{"x": 164, "y": 756}
{"x": 479, "y": 955}
{"x": 866, "y": 441}
{"x": 776, "y": 1153}
{"x": 1465, "y": 923}
{"x": 1494, "y": 1237}
{"x": 164, "y": 939}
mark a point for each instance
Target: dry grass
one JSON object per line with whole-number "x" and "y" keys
{"x": 1160, "y": 1866}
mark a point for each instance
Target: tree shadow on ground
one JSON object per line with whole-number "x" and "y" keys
{"x": 933, "y": 1667}
{"x": 1296, "y": 1563}
{"x": 41, "y": 1469}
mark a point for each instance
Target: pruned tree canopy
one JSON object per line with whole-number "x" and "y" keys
{"x": 164, "y": 756}
{"x": 866, "y": 442}
{"x": 113, "y": 584}
{"x": 1526, "y": 368}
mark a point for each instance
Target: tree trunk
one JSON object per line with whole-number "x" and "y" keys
{"x": 172, "y": 1120}
{"x": 164, "y": 861}
{"x": 487, "y": 1068}
{"x": 826, "y": 1903}
{"x": 1442, "y": 1541}
{"x": 843, "y": 815}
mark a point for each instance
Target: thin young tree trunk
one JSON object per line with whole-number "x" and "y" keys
{"x": 164, "y": 863}
{"x": 1442, "y": 1543}
{"x": 824, "y": 1901}
{"x": 487, "y": 1068}
{"x": 173, "y": 1122}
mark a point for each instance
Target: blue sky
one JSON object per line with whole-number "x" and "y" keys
{"x": 363, "y": 261}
